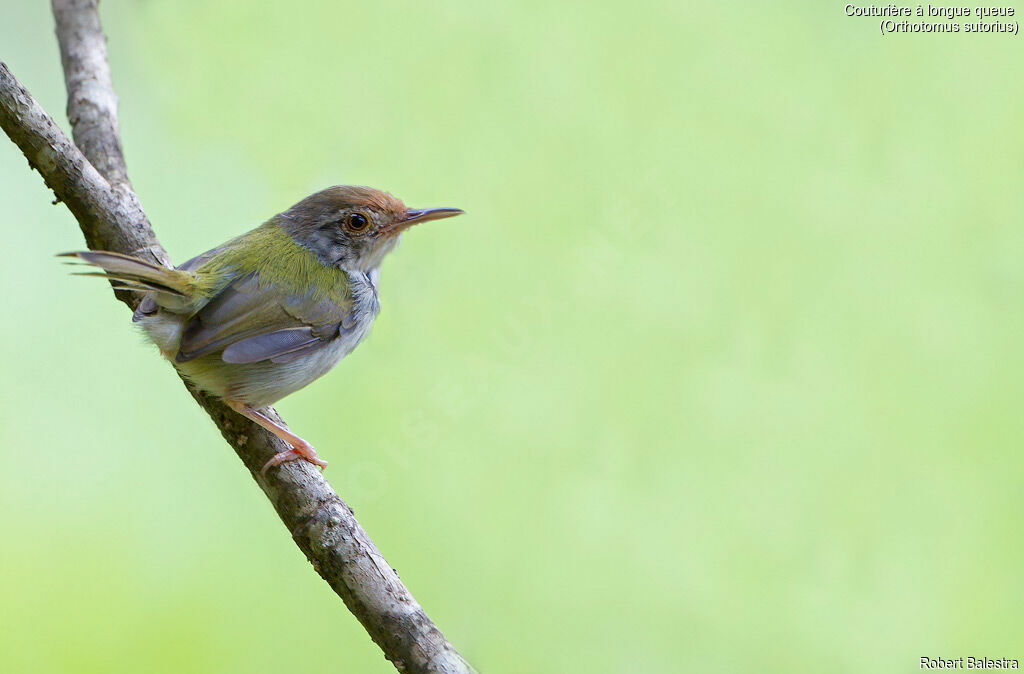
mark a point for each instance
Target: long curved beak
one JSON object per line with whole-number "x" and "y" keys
{"x": 415, "y": 215}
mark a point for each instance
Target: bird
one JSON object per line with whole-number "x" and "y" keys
{"x": 265, "y": 314}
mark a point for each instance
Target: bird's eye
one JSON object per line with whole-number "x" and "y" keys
{"x": 356, "y": 222}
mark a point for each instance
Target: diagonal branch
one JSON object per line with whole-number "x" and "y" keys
{"x": 111, "y": 218}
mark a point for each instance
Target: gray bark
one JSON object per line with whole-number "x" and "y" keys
{"x": 92, "y": 103}
{"x": 90, "y": 177}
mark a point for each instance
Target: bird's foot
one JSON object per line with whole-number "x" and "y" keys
{"x": 304, "y": 451}
{"x": 299, "y": 448}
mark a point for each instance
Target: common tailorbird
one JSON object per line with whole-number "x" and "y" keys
{"x": 270, "y": 311}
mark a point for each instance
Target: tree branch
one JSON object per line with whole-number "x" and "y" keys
{"x": 111, "y": 218}
{"x": 92, "y": 103}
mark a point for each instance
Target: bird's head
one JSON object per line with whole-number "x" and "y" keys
{"x": 353, "y": 227}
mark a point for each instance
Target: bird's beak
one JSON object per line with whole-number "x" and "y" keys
{"x": 415, "y": 215}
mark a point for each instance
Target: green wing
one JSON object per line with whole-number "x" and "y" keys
{"x": 251, "y": 322}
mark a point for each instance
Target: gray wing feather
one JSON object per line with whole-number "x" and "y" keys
{"x": 269, "y": 345}
{"x": 299, "y": 353}
{"x": 250, "y": 324}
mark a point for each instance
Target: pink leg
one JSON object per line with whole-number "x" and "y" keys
{"x": 300, "y": 449}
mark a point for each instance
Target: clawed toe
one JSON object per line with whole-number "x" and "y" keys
{"x": 306, "y": 453}
{"x": 278, "y": 459}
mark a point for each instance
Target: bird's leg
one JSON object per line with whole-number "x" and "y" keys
{"x": 300, "y": 449}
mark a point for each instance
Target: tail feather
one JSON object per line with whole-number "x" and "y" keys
{"x": 117, "y": 267}
{"x": 176, "y": 290}
{"x": 118, "y": 285}
{"x": 132, "y": 282}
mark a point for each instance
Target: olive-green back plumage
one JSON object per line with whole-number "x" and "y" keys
{"x": 277, "y": 260}
{"x": 269, "y": 295}
{"x": 267, "y": 251}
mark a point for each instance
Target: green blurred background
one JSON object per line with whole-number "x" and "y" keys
{"x": 721, "y": 372}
